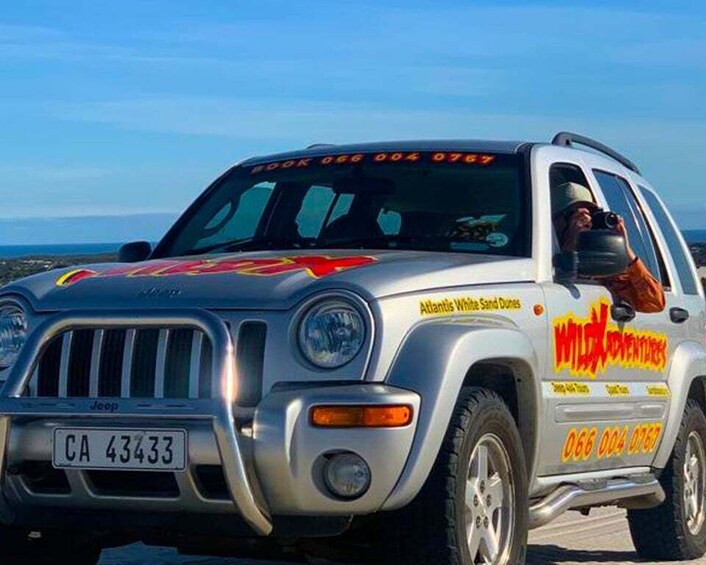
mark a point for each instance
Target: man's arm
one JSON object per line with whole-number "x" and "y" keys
{"x": 638, "y": 287}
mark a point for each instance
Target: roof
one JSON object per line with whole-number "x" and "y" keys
{"x": 421, "y": 145}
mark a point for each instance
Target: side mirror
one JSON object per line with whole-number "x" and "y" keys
{"x": 134, "y": 252}
{"x": 601, "y": 253}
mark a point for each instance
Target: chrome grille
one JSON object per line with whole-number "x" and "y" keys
{"x": 127, "y": 363}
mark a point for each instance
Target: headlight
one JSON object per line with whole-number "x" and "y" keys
{"x": 331, "y": 334}
{"x": 13, "y": 333}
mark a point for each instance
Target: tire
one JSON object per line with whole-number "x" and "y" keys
{"x": 17, "y": 547}
{"x": 676, "y": 529}
{"x": 433, "y": 528}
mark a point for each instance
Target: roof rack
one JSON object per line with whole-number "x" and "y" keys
{"x": 568, "y": 139}
{"x": 315, "y": 145}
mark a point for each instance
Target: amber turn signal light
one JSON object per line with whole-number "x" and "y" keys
{"x": 394, "y": 416}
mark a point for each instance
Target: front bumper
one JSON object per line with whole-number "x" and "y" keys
{"x": 270, "y": 459}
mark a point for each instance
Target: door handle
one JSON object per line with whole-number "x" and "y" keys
{"x": 678, "y": 315}
{"x": 622, "y": 312}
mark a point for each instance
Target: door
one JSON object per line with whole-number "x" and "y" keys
{"x": 606, "y": 382}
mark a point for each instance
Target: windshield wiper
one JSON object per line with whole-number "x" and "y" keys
{"x": 390, "y": 240}
{"x": 250, "y": 244}
{"x": 265, "y": 243}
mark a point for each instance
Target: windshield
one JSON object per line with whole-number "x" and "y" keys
{"x": 432, "y": 201}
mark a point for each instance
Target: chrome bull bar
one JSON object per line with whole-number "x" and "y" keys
{"x": 242, "y": 484}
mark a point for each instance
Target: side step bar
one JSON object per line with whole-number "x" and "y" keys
{"x": 643, "y": 491}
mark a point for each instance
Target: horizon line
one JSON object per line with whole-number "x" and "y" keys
{"x": 79, "y": 216}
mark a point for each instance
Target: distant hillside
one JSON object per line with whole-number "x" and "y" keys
{"x": 13, "y": 269}
{"x": 84, "y": 229}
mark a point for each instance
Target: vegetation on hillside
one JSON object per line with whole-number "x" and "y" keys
{"x": 12, "y": 269}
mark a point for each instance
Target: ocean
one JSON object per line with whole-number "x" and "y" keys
{"x": 16, "y": 251}
{"x": 54, "y": 250}
{"x": 695, "y": 236}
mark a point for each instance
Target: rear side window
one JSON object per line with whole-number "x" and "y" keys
{"x": 621, "y": 201}
{"x": 681, "y": 260}
{"x": 315, "y": 208}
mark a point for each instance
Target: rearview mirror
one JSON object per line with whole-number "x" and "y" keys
{"x": 601, "y": 253}
{"x": 134, "y": 252}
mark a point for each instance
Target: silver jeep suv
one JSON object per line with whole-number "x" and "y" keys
{"x": 369, "y": 351}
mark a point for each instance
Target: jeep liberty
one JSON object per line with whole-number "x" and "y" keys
{"x": 368, "y": 351}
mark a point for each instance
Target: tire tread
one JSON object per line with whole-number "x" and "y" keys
{"x": 416, "y": 532}
{"x": 659, "y": 533}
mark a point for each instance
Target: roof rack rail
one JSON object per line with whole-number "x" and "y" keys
{"x": 315, "y": 145}
{"x": 568, "y": 139}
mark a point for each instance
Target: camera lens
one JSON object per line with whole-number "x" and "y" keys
{"x": 602, "y": 220}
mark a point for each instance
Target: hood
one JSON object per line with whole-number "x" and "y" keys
{"x": 260, "y": 280}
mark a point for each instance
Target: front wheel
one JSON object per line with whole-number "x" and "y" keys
{"x": 676, "y": 530}
{"x": 473, "y": 507}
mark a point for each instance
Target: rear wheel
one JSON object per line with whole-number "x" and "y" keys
{"x": 676, "y": 529}
{"x": 473, "y": 508}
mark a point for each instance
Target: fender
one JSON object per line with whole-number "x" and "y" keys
{"x": 433, "y": 361}
{"x": 688, "y": 363}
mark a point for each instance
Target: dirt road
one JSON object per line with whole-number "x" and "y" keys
{"x": 600, "y": 539}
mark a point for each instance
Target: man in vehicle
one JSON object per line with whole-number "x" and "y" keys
{"x": 572, "y": 209}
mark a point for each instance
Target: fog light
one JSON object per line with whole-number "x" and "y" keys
{"x": 347, "y": 475}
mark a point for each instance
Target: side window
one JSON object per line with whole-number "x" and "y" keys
{"x": 681, "y": 260}
{"x": 235, "y": 220}
{"x": 390, "y": 222}
{"x": 313, "y": 212}
{"x": 621, "y": 201}
{"x": 321, "y": 205}
{"x": 343, "y": 205}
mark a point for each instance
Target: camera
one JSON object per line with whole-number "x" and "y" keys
{"x": 602, "y": 220}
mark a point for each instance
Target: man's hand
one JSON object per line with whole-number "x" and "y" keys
{"x": 579, "y": 221}
{"x": 620, "y": 230}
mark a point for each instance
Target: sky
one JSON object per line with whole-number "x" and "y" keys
{"x": 132, "y": 107}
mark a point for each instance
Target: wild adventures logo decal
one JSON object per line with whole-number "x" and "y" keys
{"x": 316, "y": 266}
{"x": 587, "y": 347}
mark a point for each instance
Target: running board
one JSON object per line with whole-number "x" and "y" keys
{"x": 641, "y": 491}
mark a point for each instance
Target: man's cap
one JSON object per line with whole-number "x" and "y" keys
{"x": 569, "y": 195}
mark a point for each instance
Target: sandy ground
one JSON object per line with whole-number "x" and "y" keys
{"x": 600, "y": 539}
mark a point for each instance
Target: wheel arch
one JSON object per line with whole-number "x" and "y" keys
{"x": 436, "y": 360}
{"x": 514, "y": 380}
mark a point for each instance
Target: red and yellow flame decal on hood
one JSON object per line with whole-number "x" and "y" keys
{"x": 587, "y": 347}
{"x": 316, "y": 266}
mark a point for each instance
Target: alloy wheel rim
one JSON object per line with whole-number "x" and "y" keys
{"x": 694, "y": 483}
{"x": 489, "y": 503}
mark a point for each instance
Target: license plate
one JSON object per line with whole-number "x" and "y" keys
{"x": 120, "y": 448}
